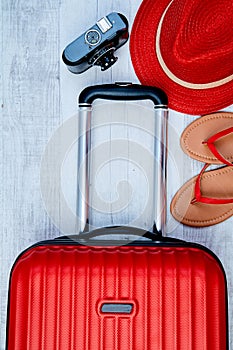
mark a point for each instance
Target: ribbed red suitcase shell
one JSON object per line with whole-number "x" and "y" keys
{"x": 177, "y": 295}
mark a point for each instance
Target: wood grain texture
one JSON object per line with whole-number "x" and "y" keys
{"x": 31, "y": 111}
{"x": 37, "y": 95}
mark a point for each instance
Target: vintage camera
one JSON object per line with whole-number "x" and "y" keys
{"x": 97, "y": 45}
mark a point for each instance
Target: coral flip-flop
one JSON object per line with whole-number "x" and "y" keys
{"x": 209, "y": 138}
{"x": 206, "y": 199}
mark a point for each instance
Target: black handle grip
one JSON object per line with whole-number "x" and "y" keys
{"x": 123, "y": 92}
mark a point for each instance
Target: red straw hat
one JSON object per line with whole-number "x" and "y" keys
{"x": 185, "y": 47}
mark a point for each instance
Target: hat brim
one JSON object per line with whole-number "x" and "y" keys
{"x": 150, "y": 69}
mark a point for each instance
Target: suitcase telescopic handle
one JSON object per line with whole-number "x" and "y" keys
{"x": 123, "y": 91}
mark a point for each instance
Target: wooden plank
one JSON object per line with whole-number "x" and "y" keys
{"x": 31, "y": 111}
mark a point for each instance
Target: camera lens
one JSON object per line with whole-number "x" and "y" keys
{"x": 92, "y": 37}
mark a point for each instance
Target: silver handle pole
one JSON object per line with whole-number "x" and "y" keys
{"x": 160, "y": 163}
{"x": 84, "y": 145}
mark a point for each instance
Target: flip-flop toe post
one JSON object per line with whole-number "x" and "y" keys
{"x": 210, "y": 143}
{"x": 209, "y": 139}
{"x": 206, "y": 199}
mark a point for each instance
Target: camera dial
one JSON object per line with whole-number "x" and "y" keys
{"x": 104, "y": 58}
{"x": 92, "y": 37}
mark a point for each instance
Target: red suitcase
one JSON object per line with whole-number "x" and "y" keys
{"x": 92, "y": 294}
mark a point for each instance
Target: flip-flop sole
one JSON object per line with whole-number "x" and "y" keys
{"x": 214, "y": 184}
{"x": 203, "y": 128}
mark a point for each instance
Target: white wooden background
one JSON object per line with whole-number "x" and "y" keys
{"x": 38, "y": 94}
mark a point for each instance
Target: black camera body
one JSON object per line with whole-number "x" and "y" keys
{"x": 97, "y": 45}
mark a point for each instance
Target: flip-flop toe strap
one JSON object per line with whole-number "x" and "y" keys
{"x": 207, "y": 200}
{"x": 210, "y": 143}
